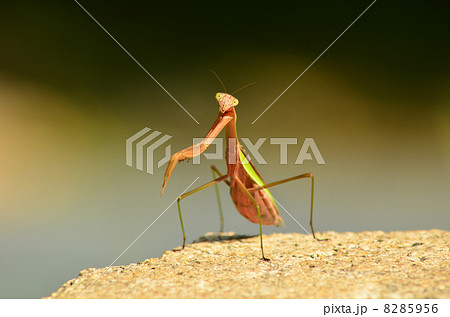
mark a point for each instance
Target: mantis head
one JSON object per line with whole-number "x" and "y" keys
{"x": 226, "y": 101}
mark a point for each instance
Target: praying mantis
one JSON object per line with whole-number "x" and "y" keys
{"x": 250, "y": 194}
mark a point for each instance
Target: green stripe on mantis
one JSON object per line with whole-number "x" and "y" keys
{"x": 252, "y": 173}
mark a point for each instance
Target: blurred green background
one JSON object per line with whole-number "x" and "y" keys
{"x": 377, "y": 104}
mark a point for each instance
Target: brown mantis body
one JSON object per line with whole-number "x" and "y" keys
{"x": 247, "y": 189}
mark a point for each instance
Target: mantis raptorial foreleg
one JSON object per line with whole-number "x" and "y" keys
{"x": 195, "y": 149}
{"x": 218, "y": 180}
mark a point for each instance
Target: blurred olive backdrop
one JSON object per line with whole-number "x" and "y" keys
{"x": 377, "y": 105}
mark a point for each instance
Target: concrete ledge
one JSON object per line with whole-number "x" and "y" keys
{"x": 409, "y": 264}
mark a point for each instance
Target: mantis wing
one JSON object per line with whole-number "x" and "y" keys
{"x": 254, "y": 174}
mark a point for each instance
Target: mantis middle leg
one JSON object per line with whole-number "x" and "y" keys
{"x": 216, "y": 172}
{"x": 218, "y": 180}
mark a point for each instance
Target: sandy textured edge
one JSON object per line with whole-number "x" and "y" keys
{"x": 407, "y": 264}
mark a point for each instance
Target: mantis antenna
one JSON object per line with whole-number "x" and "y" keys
{"x": 245, "y": 86}
{"x": 217, "y": 76}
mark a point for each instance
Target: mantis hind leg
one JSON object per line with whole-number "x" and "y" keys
{"x": 215, "y": 181}
{"x": 290, "y": 179}
{"x": 216, "y": 173}
{"x": 259, "y": 215}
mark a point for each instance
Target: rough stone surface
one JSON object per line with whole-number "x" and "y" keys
{"x": 410, "y": 264}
